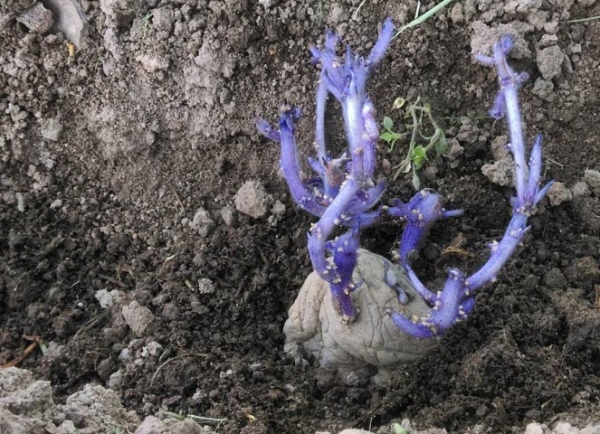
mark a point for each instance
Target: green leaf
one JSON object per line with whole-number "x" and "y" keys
{"x": 388, "y": 123}
{"x": 441, "y": 146}
{"x": 387, "y": 136}
{"x": 398, "y": 429}
{"x": 419, "y": 153}
{"x": 416, "y": 182}
{"x": 418, "y": 157}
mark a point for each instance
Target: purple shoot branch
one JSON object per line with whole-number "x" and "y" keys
{"x": 343, "y": 193}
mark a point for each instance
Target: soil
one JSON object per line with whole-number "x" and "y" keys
{"x": 120, "y": 163}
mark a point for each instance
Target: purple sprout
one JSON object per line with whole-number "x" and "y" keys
{"x": 343, "y": 193}
{"x": 456, "y": 300}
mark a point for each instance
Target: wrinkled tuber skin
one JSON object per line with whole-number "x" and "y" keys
{"x": 373, "y": 339}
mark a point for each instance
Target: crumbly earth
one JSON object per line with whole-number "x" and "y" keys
{"x": 27, "y": 407}
{"x": 121, "y": 158}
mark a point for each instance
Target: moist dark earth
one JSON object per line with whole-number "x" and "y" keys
{"x": 109, "y": 152}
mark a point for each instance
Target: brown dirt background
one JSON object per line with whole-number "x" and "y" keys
{"x": 108, "y": 206}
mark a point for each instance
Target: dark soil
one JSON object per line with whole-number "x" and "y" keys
{"x": 109, "y": 206}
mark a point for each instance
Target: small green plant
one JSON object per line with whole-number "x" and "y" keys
{"x": 398, "y": 429}
{"x": 389, "y": 135}
{"x": 416, "y": 115}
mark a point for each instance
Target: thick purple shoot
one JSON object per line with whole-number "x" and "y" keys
{"x": 447, "y": 309}
{"x": 456, "y": 301}
{"x": 346, "y": 81}
{"x": 420, "y": 213}
{"x": 343, "y": 192}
